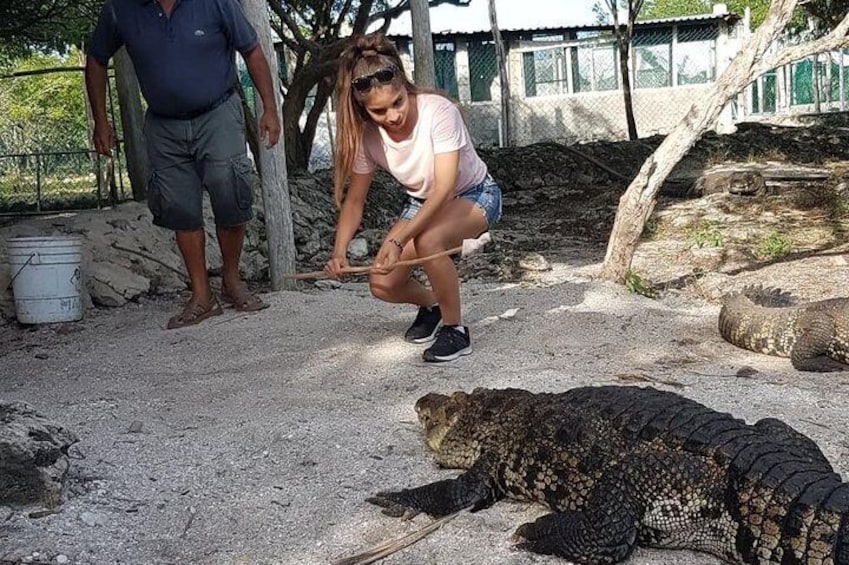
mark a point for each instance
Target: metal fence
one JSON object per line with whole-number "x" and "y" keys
{"x": 568, "y": 87}
{"x": 46, "y": 160}
{"x": 819, "y": 83}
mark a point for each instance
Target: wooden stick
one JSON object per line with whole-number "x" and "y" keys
{"x": 388, "y": 548}
{"x": 150, "y": 257}
{"x": 368, "y": 268}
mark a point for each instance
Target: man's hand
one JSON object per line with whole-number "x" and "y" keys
{"x": 269, "y": 128}
{"x": 103, "y": 137}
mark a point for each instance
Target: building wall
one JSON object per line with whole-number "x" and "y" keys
{"x": 585, "y": 116}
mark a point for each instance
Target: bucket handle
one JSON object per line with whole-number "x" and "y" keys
{"x": 28, "y": 261}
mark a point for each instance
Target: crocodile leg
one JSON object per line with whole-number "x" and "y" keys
{"x": 653, "y": 499}
{"x": 809, "y": 353}
{"x": 781, "y": 432}
{"x": 475, "y": 489}
{"x": 570, "y": 535}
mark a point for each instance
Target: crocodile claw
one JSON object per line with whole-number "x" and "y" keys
{"x": 393, "y": 504}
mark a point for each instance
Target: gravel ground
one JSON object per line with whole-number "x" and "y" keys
{"x": 254, "y": 438}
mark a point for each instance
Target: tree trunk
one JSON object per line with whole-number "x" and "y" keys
{"x": 251, "y": 130}
{"x": 423, "y": 64}
{"x": 297, "y": 156}
{"x": 132, "y": 121}
{"x": 502, "y": 75}
{"x": 637, "y": 203}
{"x": 275, "y": 182}
{"x": 625, "y": 75}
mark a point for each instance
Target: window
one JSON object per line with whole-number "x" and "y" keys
{"x": 594, "y": 68}
{"x": 445, "y": 68}
{"x": 652, "y": 54}
{"x": 695, "y": 54}
{"x": 767, "y": 85}
{"x": 545, "y": 72}
{"x": 483, "y": 68}
{"x": 801, "y": 82}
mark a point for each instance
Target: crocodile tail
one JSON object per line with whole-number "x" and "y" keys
{"x": 768, "y": 297}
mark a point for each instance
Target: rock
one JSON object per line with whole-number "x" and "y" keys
{"x": 328, "y": 284}
{"x": 534, "y": 262}
{"x": 33, "y": 456}
{"x": 90, "y": 519}
{"x": 358, "y": 248}
{"x": 113, "y": 285}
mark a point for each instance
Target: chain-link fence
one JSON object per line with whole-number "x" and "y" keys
{"x": 819, "y": 83}
{"x": 46, "y": 160}
{"x": 568, "y": 87}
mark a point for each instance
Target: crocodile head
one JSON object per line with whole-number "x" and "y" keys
{"x": 438, "y": 413}
{"x": 460, "y": 426}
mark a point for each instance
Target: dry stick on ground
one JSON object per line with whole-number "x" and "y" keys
{"x": 386, "y": 549}
{"x": 151, "y": 258}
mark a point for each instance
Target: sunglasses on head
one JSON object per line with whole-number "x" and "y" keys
{"x": 382, "y": 76}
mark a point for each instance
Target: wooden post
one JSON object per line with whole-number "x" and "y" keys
{"x": 424, "y": 73}
{"x": 502, "y": 75}
{"x": 275, "y": 181}
{"x": 132, "y": 121}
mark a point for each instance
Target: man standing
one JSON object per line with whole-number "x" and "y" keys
{"x": 183, "y": 52}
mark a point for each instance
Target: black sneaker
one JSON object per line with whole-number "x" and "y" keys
{"x": 425, "y": 325}
{"x": 450, "y": 344}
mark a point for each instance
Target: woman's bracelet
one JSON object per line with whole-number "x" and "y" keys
{"x": 396, "y": 242}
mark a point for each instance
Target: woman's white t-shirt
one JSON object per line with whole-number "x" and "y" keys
{"x": 439, "y": 129}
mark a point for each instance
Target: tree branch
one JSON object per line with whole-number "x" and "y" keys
{"x": 834, "y": 39}
{"x": 404, "y": 5}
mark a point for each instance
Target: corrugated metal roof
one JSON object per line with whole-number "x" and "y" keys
{"x": 521, "y": 15}
{"x": 512, "y": 15}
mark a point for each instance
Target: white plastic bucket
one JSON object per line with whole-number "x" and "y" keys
{"x": 46, "y": 278}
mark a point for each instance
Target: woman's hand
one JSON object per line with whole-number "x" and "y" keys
{"x": 387, "y": 256}
{"x": 334, "y": 266}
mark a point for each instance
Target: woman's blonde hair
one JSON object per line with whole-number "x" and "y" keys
{"x": 364, "y": 55}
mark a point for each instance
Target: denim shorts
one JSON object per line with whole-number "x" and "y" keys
{"x": 486, "y": 195}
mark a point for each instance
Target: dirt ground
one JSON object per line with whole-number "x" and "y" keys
{"x": 255, "y": 438}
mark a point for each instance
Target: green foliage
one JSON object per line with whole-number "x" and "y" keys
{"x": 826, "y": 13}
{"x": 43, "y": 112}
{"x": 707, "y": 234}
{"x": 636, "y": 284}
{"x": 759, "y": 9}
{"x": 774, "y": 246}
{"x": 44, "y": 26}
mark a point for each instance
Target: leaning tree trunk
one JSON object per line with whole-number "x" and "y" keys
{"x": 637, "y": 203}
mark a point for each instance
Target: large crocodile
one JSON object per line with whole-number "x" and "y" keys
{"x": 814, "y": 335}
{"x": 622, "y": 467}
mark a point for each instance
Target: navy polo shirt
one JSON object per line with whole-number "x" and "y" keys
{"x": 185, "y": 62}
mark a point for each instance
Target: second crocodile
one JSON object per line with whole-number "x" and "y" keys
{"x": 814, "y": 335}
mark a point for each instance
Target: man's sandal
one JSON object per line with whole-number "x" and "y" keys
{"x": 194, "y": 313}
{"x": 242, "y": 299}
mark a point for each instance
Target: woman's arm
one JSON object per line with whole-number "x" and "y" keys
{"x": 444, "y": 182}
{"x": 349, "y": 220}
